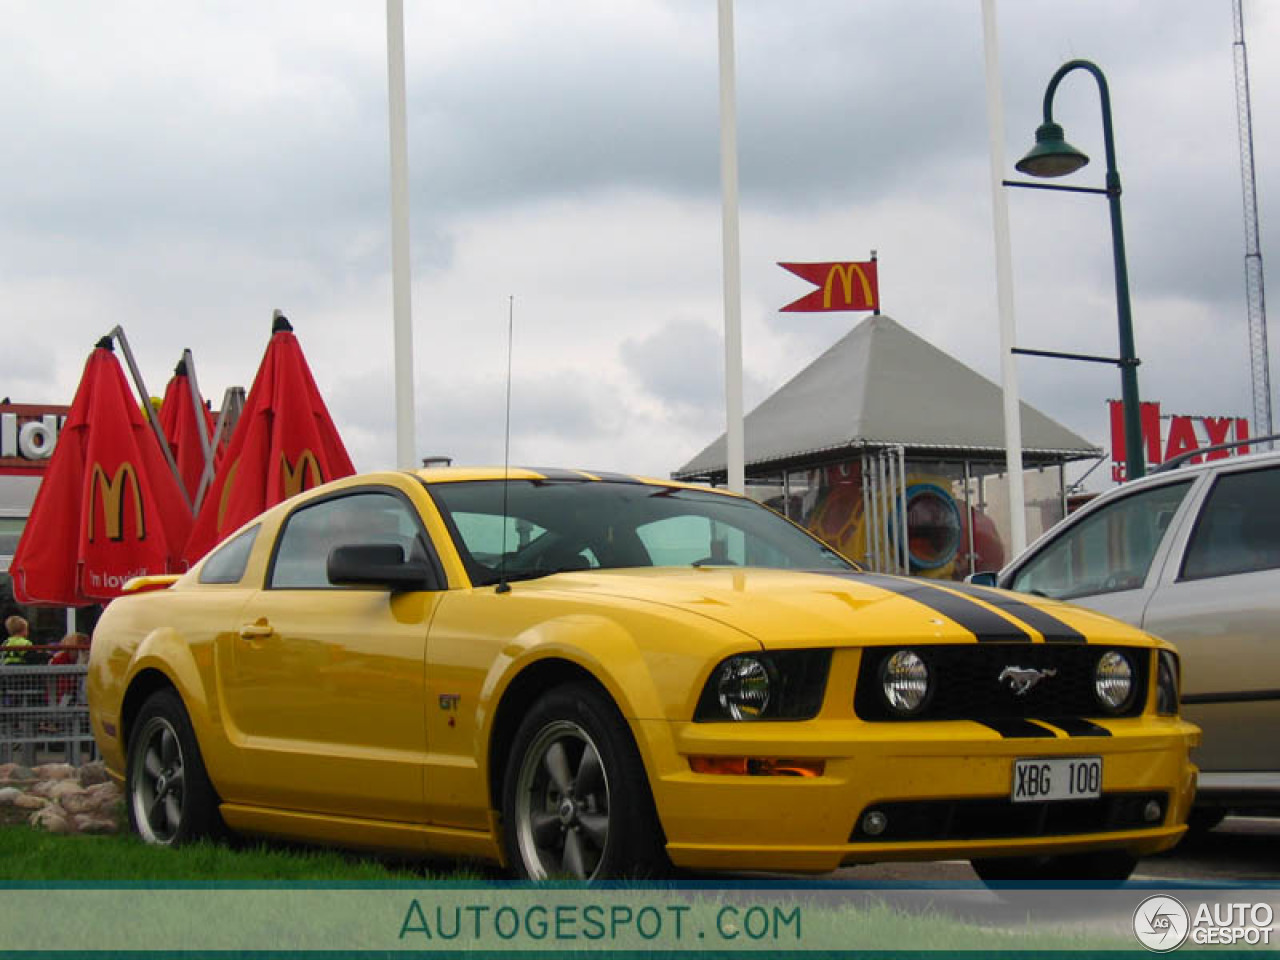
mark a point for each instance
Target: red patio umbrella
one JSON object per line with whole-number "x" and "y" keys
{"x": 183, "y": 419}
{"x": 284, "y": 443}
{"x": 109, "y": 508}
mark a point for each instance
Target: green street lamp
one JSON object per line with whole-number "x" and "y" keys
{"x": 1052, "y": 156}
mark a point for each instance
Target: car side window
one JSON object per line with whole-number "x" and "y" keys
{"x": 228, "y": 562}
{"x": 1109, "y": 551}
{"x": 302, "y": 552}
{"x": 1238, "y": 531}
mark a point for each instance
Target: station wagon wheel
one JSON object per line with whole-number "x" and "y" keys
{"x": 576, "y": 802}
{"x": 170, "y": 799}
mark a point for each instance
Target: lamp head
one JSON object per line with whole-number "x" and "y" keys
{"x": 1052, "y": 156}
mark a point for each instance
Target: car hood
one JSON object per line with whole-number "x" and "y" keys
{"x": 796, "y": 609}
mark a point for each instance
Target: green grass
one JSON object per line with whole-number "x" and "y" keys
{"x": 29, "y": 855}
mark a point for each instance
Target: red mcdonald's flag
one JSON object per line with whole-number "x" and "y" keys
{"x": 178, "y": 417}
{"x": 284, "y": 443}
{"x": 841, "y": 286}
{"x": 109, "y": 507}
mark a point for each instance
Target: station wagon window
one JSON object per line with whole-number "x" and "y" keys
{"x": 1109, "y": 551}
{"x": 228, "y": 562}
{"x": 1238, "y": 530}
{"x": 309, "y": 534}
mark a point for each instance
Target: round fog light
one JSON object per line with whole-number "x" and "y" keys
{"x": 1152, "y": 812}
{"x": 874, "y": 823}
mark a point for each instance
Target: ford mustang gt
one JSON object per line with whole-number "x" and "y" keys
{"x": 593, "y": 675}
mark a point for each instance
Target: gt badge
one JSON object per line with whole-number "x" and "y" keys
{"x": 449, "y": 701}
{"x": 1022, "y": 679}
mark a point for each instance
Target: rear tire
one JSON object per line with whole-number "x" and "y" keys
{"x": 575, "y": 798}
{"x": 168, "y": 793}
{"x": 1107, "y": 867}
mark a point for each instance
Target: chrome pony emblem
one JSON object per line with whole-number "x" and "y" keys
{"x": 1022, "y": 679}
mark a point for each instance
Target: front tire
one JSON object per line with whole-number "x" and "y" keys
{"x": 576, "y": 801}
{"x": 1105, "y": 867}
{"x": 169, "y": 796}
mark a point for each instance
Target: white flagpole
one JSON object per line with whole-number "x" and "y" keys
{"x": 736, "y": 471}
{"x": 402, "y": 307}
{"x": 1004, "y": 286}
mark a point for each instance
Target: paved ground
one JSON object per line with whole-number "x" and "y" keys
{"x": 1241, "y": 849}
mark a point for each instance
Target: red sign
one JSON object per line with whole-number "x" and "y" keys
{"x": 841, "y": 286}
{"x": 28, "y": 433}
{"x": 1183, "y": 434}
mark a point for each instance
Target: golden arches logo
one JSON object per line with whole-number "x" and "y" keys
{"x": 845, "y": 272}
{"x": 110, "y": 492}
{"x": 296, "y": 475}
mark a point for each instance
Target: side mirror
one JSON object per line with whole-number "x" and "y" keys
{"x": 983, "y": 578}
{"x": 376, "y": 565}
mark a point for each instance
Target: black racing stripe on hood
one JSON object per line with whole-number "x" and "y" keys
{"x": 1075, "y": 727}
{"x": 984, "y": 624}
{"x": 1053, "y": 629}
{"x": 1015, "y": 728}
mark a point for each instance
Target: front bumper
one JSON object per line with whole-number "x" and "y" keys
{"x": 921, "y": 769}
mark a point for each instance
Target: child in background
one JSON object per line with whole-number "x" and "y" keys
{"x": 73, "y": 649}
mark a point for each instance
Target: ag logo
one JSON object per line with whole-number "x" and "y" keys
{"x": 1161, "y": 923}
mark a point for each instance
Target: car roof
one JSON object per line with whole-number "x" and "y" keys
{"x": 552, "y": 474}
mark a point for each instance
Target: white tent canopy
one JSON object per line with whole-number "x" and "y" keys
{"x": 881, "y": 385}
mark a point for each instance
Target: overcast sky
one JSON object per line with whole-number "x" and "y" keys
{"x": 183, "y": 168}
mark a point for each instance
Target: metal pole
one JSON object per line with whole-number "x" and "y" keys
{"x": 1004, "y": 285}
{"x": 206, "y": 442}
{"x": 150, "y": 414}
{"x": 734, "y": 435}
{"x": 1135, "y": 464}
{"x": 402, "y": 307}
{"x": 902, "y": 487}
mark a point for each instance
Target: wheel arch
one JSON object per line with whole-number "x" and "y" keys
{"x": 145, "y": 682}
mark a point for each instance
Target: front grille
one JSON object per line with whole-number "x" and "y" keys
{"x": 967, "y": 686}
{"x": 1000, "y": 818}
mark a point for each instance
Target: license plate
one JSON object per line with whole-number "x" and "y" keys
{"x": 1056, "y": 778}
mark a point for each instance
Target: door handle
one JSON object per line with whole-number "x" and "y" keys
{"x": 256, "y": 631}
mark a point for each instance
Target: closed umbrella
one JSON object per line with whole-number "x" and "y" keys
{"x": 188, "y": 426}
{"x": 109, "y": 507}
{"x": 285, "y": 442}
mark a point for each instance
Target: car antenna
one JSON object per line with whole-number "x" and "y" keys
{"x": 503, "y": 586}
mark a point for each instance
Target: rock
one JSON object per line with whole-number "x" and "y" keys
{"x": 104, "y": 793}
{"x": 30, "y": 802}
{"x": 94, "y": 773}
{"x": 43, "y": 788}
{"x": 88, "y": 823}
{"x": 52, "y": 819}
{"x": 55, "y": 771}
{"x": 8, "y": 795}
{"x": 65, "y": 788}
{"x": 82, "y": 802}
{"x": 17, "y": 773}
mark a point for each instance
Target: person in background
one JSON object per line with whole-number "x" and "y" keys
{"x": 74, "y": 649}
{"x": 13, "y": 653}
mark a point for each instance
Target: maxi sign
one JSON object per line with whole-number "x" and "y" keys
{"x": 1183, "y": 435}
{"x": 28, "y": 433}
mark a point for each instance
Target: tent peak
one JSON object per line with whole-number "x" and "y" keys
{"x": 280, "y": 322}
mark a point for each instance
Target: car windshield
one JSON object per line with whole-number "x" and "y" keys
{"x": 539, "y": 527}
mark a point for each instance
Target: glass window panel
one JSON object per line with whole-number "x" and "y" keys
{"x": 1108, "y": 551}
{"x": 1239, "y": 528}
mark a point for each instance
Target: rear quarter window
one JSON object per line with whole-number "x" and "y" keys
{"x": 227, "y": 563}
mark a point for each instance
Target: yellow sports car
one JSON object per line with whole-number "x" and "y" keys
{"x": 595, "y": 675}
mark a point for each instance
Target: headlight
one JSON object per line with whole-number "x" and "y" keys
{"x": 777, "y": 685}
{"x": 1167, "y": 686}
{"x": 905, "y": 679}
{"x": 1113, "y": 681}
